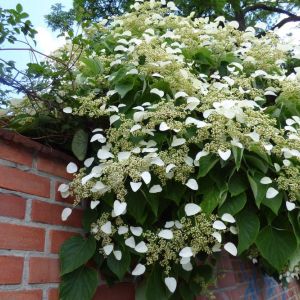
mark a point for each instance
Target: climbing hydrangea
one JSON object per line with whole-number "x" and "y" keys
{"x": 196, "y": 147}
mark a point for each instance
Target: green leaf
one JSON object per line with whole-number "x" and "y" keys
{"x": 210, "y": 200}
{"x": 119, "y": 267}
{"x": 93, "y": 66}
{"x": 174, "y": 192}
{"x": 19, "y": 8}
{"x": 274, "y": 203}
{"x": 276, "y": 246}
{"x": 81, "y": 284}
{"x": 140, "y": 291}
{"x": 233, "y": 205}
{"x": 206, "y": 163}
{"x": 156, "y": 288}
{"x": 237, "y": 184}
{"x": 256, "y": 162}
{"x": 89, "y": 216}
{"x": 248, "y": 228}
{"x": 80, "y": 144}
{"x": 124, "y": 87}
{"x": 238, "y": 156}
{"x": 259, "y": 190}
{"x": 136, "y": 206}
{"x": 75, "y": 252}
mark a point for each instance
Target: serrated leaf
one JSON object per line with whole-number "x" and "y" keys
{"x": 80, "y": 144}
{"x": 80, "y": 284}
{"x": 75, "y": 252}
{"x": 276, "y": 246}
{"x": 248, "y": 228}
{"x": 93, "y": 66}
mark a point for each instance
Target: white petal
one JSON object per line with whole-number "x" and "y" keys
{"x": 106, "y": 228}
{"x": 233, "y": 230}
{"x": 98, "y": 137}
{"x": 155, "y": 189}
{"x": 171, "y": 284}
{"x": 266, "y": 180}
{"x": 169, "y": 224}
{"x": 186, "y": 252}
{"x": 138, "y": 270}
{"x": 192, "y": 209}
{"x": 231, "y": 248}
{"x": 216, "y": 248}
{"x": 271, "y": 193}
{"x": 88, "y": 162}
{"x": 169, "y": 168}
{"x": 130, "y": 242}
{"x": 137, "y": 231}
{"x": 108, "y": 249}
{"x": 192, "y": 184}
{"x": 157, "y": 161}
{"x": 201, "y": 154}
{"x": 132, "y": 72}
{"x": 119, "y": 207}
{"x": 67, "y": 110}
{"x": 113, "y": 119}
{"x": 135, "y": 186}
{"x": 163, "y": 126}
{"x": 224, "y": 154}
{"x": 141, "y": 247}
{"x": 72, "y": 168}
{"x": 187, "y": 267}
{"x": 104, "y": 154}
{"x": 122, "y": 230}
{"x": 217, "y": 236}
{"x": 178, "y": 225}
{"x": 63, "y": 188}
{"x": 180, "y": 95}
{"x": 166, "y": 234}
{"x": 228, "y": 218}
{"x": 177, "y": 141}
{"x": 94, "y": 204}
{"x": 135, "y": 127}
{"x": 158, "y": 92}
{"x": 219, "y": 225}
{"x": 118, "y": 254}
{"x": 66, "y": 213}
{"x": 290, "y": 205}
{"x": 146, "y": 176}
{"x": 123, "y": 155}
{"x": 254, "y": 136}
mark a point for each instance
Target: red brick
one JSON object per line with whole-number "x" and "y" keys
{"x": 53, "y": 166}
{"x": 21, "y": 295}
{"x": 49, "y": 213}
{"x": 16, "y": 153}
{"x": 124, "y": 291}
{"x": 12, "y": 269}
{"x": 43, "y": 270}
{"x": 17, "y": 180}
{"x": 57, "y": 237}
{"x": 59, "y": 198}
{"x": 19, "y": 237}
{"x": 53, "y": 294}
{"x": 12, "y": 206}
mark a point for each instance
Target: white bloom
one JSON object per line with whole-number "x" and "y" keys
{"x": 192, "y": 209}
{"x": 171, "y": 284}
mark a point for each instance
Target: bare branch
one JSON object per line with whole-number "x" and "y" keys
{"x": 287, "y": 20}
{"x": 268, "y": 8}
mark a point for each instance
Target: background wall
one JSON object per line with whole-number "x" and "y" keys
{"x": 31, "y": 232}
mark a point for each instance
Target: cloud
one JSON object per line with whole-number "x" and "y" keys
{"x": 46, "y": 40}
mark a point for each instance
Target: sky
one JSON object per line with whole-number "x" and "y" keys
{"x": 45, "y": 38}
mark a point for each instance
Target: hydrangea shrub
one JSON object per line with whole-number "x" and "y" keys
{"x": 194, "y": 149}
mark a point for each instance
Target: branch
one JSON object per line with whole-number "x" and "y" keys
{"x": 286, "y": 20}
{"x": 36, "y": 51}
{"x": 268, "y": 8}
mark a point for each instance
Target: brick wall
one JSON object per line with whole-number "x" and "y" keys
{"x": 31, "y": 232}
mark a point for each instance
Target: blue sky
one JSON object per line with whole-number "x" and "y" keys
{"x": 46, "y": 39}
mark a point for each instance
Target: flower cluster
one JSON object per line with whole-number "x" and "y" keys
{"x": 193, "y": 154}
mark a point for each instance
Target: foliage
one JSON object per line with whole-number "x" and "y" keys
{"x": 246, "y": 12}
{"x": 189, "y": 135}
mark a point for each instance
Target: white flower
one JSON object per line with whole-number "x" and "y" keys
{"x": 192, "y": 209}
{"x": 192, "y": 184}
{"x": 72, "y": 168}
{"x": 137, "y": 231}
{"x": 94, "y": 204}
{"x": 119, "y": 208}
{"x": 138, "y": 270}
{"x": 164, "y": 126}
{"x": 266, "y": 180}
{"x": 106, "y": 228}
{"x": 271, "y": 193}
{"x": 158, "y": 92}
{"x": 186, "y": 252}
{"x": 130, "y": 242}
{"x": 231, "y": 248}
{"x": 225, "y": 155}
{"x": 104, "y": 154}
{"x": 141, "y": 247}
{"x": 66, "y": 213}
{"x": 146, "y": 176}
{"x": 290, "y": 205}
{"x": 155, "y": 189}
{"x": 171, "y": 284}
{"x": 228, "y": 218}
{"x": 108, "y": 249}
{"x": 68, "y": 110}
{"x": 219, "y": 225}
{"x": 166, "y": 234}
{"x": 177, "y": 141}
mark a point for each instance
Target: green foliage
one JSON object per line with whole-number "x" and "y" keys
{"x": 75, "y": 252}
{"x": 80, "y": 144}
